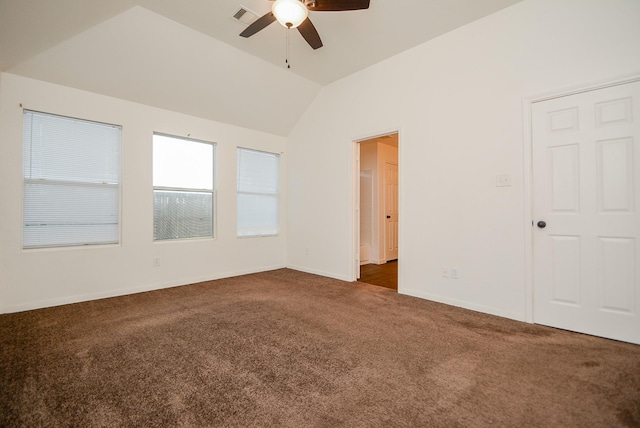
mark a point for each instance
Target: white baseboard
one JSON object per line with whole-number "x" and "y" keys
{"x": 65, "y": 300}
{"x": 319, "y": 272}
{"x": 518, "y": 316}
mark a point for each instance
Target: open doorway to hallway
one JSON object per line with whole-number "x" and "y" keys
{"x": 378, "y": 219}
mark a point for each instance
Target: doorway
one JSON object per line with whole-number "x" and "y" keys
{"x": 377, "y": 217}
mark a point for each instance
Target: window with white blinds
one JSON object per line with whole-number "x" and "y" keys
{"x": 71, "y": 170}
{"x": 258, "y": 193}
{"x": 183, "y": 188}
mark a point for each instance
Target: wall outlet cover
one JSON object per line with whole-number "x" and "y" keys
{"x": 446, "y": 272}
{"x": 503, "y": 180}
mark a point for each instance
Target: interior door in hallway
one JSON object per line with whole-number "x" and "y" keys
{"x": 391, "y": 210}
{"x": 586, "y": 166}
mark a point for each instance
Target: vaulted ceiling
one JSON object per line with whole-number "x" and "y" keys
{"x": 187, "y": 56}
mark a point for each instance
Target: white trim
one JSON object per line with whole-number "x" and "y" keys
{"x": 354, "y": 221}
{"x": 378, "y": 134}
{"x": 585, "y": 87}
{"x": 527, "y": 107}
{"x": 356, "y": 208}
{"x": 518, "y": 316}
{"x": 401, "y": 210}
{"x": 320, "y": 273}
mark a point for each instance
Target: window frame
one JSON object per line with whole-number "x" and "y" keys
{"x": 212, "y": 191}
{"x": 71, "y": 183}
{"x": 276, "y": 195}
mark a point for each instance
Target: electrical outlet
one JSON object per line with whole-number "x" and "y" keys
{"x": 503, "y": 180}
{"x": 156, "y": 262}
{"x": 446, "y": 272}
{"x": 307, "y": 251}
{"x": 454, "y": 273}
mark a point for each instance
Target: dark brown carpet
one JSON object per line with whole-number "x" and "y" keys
{"x": 384, "y": 275}
{"x": 284, "y": 348}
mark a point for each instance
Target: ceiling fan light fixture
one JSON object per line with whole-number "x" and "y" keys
{"x": 290, "y": 13}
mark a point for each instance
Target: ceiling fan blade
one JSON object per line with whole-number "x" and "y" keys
{"x": 338, "y": 5}
{"x": 258, "y": 24}
{"x": 310, "y": 34}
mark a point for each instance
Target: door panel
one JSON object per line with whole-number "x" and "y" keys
{"x": 564, "y": 169}
{"x": 616, "y": 272}
{"x": 585, "y": 172}
{"x": 565, "y": 269}
{"x": 615, "y": 175}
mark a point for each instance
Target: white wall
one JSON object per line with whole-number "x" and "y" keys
{"x": 457, "y": 101}
{"x": 37, "y": 278}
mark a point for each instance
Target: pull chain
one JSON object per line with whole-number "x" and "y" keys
{"x": 287, "y": 54}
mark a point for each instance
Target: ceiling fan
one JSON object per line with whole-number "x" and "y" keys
{"x": 295, "y": 14}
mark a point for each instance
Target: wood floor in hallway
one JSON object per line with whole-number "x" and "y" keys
{"x": 384, "y": 275}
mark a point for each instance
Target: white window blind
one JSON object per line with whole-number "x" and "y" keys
{"x": 71, "y": 181}
{"x": 258, "y": 194}
{"x": 183, "y": 190}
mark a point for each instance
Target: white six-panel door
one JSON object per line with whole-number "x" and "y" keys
{"x": 586, "y": 172}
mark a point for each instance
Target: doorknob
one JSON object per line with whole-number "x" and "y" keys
{"x": 542, "y": 224}
{"x": 388, "y": 216}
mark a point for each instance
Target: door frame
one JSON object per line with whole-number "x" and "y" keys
{"x": 354, "y": 215}
{"x": 527, "y": 118}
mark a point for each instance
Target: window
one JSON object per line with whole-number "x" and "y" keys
{"x": 71, "y": 171}
{"x": 258, "y": 194}
{"x": 183, "y": 191}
